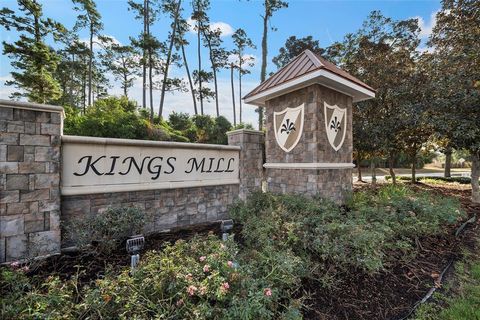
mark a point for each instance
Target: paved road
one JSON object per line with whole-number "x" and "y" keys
{"x": 381, "y": 177}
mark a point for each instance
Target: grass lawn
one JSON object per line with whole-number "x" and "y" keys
{"x": 461, "y": 298}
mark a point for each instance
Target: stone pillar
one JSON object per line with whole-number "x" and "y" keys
{"x": 251, "y": 159}
{"x": 29, "y": 179}
{"x": 312, "y": 167}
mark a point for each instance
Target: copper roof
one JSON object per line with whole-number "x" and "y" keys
{"x": 304, "y": 63}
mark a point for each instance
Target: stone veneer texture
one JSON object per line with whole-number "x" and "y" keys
{"x": 29, "y": 182}
{"x": 313, "y": 146}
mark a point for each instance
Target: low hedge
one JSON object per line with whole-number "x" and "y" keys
{"x": 460, "y": 180}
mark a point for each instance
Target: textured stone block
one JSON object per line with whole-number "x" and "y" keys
{"x": 9, "y": 196}
{"x": 35, "y": 222}
{"x": 43, "y": 194}
{"x": 16, "y": 247}
{"x": 17, "y": 208}
{"x": 16, "y": 126}
{"x": 34, "y": 140}
{"x": 44, "y": 243}
{"x": 46, "y": 180}
{"x": 3, "y": 153}
{"x": 32, "y": 167}
{"x": 30, "y": 127}
{"x": 49, "y": 128}
{"x": 47, "y": 154}
{"x": 3, "y": 125}
{"x": 17, "y": 182}
{"x": 8, "y": 138}
{"x": 2, "y": 250}
{"x": 6, "y": 113}
{"x": 15, "y": 153}
{"x": 11, "y": 225}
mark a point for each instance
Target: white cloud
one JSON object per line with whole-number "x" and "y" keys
{"x": 224, "y": 27}
{"x": 427, "y": 27}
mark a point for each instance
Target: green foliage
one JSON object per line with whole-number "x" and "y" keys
{"x": 435, "y": 180}
{"x": 242, "y": 125}
{"x": 107, "y": 229}
{"x": 200, "y": 279}
{"x": 294, "y": 47}
{"x": 321, "y": 234}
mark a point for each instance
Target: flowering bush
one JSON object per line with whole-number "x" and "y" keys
{"x": 198, "y": 279}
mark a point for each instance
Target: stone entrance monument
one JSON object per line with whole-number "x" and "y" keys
{"x": 308, "y": 143}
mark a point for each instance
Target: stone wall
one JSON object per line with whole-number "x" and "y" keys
{"x": 29, "y": 180}
{"x": 252, "y": 157}
{"x": 164, "y": 209}
{"x": 313, "y": 146}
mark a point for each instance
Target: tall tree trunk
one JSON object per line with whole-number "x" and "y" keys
{"x": 414, "y": 168}
{"x": 391, "y": 160}
{"x": 90, "y": 62}
{"x": 240, "y": 84}
{"x": 359, "y": 167}
{"x": 169, "y": 57}
{"x": 150, "y": 67}
{"x": 84, "y": 90}
{"x": 448, "y": 162}
{"x": 233, "y": 96}
{"x": 263, "y": 71}
{"x": 199, "y": 27}
{"x": 475, "y": 176}
{"x": 189, "y": 80}
{"x": 374, "y": 172}
{"x": 144, "y": 55}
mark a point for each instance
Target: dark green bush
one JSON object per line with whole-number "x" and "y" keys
{"x": 107, "y": 230}
{"x": 460, "y": 180}
{"x": 326, "y": 237}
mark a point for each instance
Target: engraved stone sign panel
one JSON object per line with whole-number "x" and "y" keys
{"x": 102, "y": 165}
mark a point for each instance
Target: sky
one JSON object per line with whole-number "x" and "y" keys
{"x": 326, "y": 20}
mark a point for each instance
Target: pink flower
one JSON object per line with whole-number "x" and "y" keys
{"x": 15, "y": 264}
{"x": 189, "y": 277}
{"x": 202, "y": 258}
{"x": 224, "y": 287}
{"x": 230, "y": 263}
{"x": 203, "y": 290}
{"x": 206, "y": 268}
{"x": 267, "y": 292}
{"x": 191, "y": 290}
{"x": 180, "y": 303}
{"x": 25, "y": 269}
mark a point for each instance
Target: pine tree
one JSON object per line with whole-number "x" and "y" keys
{"x": 242, "y": 42}
{"x": 90, "y": 19}
{"x": 34, "y": 62}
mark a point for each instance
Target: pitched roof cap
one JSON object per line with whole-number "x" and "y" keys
{"x": 306, "y": 69}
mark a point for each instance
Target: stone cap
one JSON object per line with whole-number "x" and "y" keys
{"x": 245, "y": 131}
{"x": 31, "y": 106}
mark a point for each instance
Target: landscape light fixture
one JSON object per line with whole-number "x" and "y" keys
{"x": 134, "y": 245}
{"x": 226, "y": 226}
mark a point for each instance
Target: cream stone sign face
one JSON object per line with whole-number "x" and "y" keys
{"x": 335, "y": 125}
{"x": 98, "y": 165}
{"x": 288, "y": 126}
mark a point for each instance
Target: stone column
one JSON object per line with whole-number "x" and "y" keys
{"x": 251, "y": 158}
{"x": 29, "y": 179}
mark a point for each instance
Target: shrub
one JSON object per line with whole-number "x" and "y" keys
{"x": 435, "y": 180}
{"x": 327, "y": 237}
{"x": 198, "y": 279}
{"x": 108, "y": 229}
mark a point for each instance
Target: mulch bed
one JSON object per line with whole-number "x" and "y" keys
{"x": 386, "y": 295}
{"x": 393, "y": 293}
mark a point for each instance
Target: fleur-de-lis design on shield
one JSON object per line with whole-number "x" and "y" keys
{"x": 287, "y": 127}
{"x": 335, "y": 124}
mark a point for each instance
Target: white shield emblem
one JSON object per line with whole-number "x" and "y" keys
{"x": 335, "y": 125}
{"x": 288, "y": 126}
